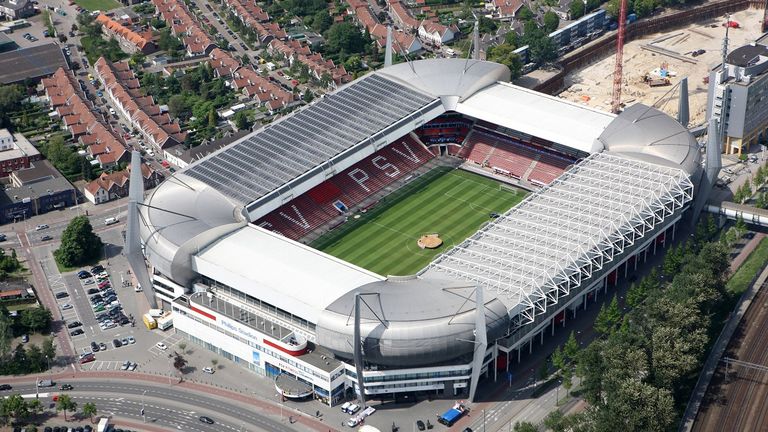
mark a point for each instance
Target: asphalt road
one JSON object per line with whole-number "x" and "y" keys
{"x": 163, "y": 406}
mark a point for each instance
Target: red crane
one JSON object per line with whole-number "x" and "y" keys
{"x": 618, "y": 72}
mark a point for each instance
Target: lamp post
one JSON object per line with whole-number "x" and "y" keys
{"x": 170, "y": 369}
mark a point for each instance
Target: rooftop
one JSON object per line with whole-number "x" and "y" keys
{"x": 565, "y": 231}
{"x": 22, "y": 147}
{"x": 39, "y": 183}
{"x": 746, "y": 55}
{"x": 285, "y": 150}
{"x": 30, "y": 63}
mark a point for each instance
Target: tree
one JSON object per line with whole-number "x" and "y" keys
{"x": 322, "y": 21}
{"x": 551, "y": 21}
{"x": 504, "y": 54}
{"x": 525, "y": 427}
{"x": 576, "y": 10}
{"x": 137, "y": 59}
{"x": 10, "y": 101}
{"x": 608, "y": 318}
{"x": 89, "y": 409}
{"x": 241, "y": 121}
{"x": 524, "y": 14}
{"x": 571, "y": 347}
{"x": 36, "y": 319}
{"x": 35, "y": 406}
{"x": 14, "y": 406}
{"x": 308, "y": 96}
{"x": 183, "y": 346}
{"x": 343, "y": 39}
{"x": 212, "y": 119}
{"x": 178, "y": 108}
{"x": 65, "y": 403}
{"x": 35, "y": 360}
{"x": 487, "y": 25}
{"x": 86, "y": 169}
{"x": 543, "y": 50}
{"x": 6, "y": 335}
{"x": 214, "y": 362}
{"x": 79, "y": 244}
{"x": 49, "y": 349}
{"x": 555, "y": 421}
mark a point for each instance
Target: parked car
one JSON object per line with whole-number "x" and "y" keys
{"x": 62, "y": 294}
{"x": 41, "y": 227}
{"x": 76, "y": 332}
{"x": 46, "y": 238}
{"x": 66, "y": 306}
{"x": 116, "y": 343}
{"x": 208, "y": 370}
{"x": 92, "y": 291}
{"x": 74, "y": 324}
{"x": 161, "y": 346}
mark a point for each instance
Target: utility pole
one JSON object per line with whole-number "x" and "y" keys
{"x": 143, "y": 416}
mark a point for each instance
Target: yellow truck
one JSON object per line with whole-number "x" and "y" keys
{"x": 150, "y": 322}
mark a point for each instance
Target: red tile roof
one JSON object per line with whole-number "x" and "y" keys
{"x": 117, "y": 29}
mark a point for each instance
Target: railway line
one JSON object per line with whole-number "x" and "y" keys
{"x": 737, "y": 398}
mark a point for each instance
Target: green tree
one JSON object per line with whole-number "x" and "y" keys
{"x": 65, "y": 403}
{"x": 487, "y": 25}
{"x": 35, "y": 360}
{"x": 10, "y": 101}
{"x": 14, "y": 407}
{"x": 79, "y": 244}
{"x": 214, "y": 362}
{"x": 178, "y": 107}
{"x": 525, "y": 427}
{"x": 512, "y": 39}
{"x": 308, "y": 96}
{"x": 49, "y": 349}
{"x": 322, "y": 21}
{"x": 571, "y": 347}
{"x": 524, "y": 14}
{"x": 241, "y": 121}
{"x": 212, "y": 119}
{"x": 86, "y": 169}
{"x": 35, "y": 406}
{"x": 343, "y": 39}
{"x": 608, "y": 317}
{"x": 6, "y": 336}
{"x": 556, "y": 421}
{"x": 89, "y": 409}
{"x": 543, "y": 50}
{"x": 36, "y": 319}
{"x": 504, "y": 54}
{"x": 551, "y": 21}
{"x": 576, "y": 10}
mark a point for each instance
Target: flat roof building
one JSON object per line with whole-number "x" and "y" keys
{"x": 31, "y": 63}
{"x": 16, "y": 152}
{"x": 35, "y": 190}
{"x": 736, "y": 97}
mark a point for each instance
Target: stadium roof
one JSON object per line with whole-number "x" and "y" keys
{"x": 307, "y": 140}
{"x": 535, "y": 114}
{"x": 286, "y": 274}
{"x": 30, "y": 63}
{"x": 560, "y": 235}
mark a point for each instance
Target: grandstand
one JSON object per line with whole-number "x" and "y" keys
{"x": 227, "y": 237}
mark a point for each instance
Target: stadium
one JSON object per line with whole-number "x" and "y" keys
{"x": 412, "y": 232}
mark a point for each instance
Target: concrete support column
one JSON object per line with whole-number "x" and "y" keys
{"x": 654, "y": 246}
{"x": 673, "y": 231}
{"x": 585, "y": 300}
{"x": 645, "y": 256}
{"x": 565, "y": 315}
{"x": 626, "y": 268}
{"x": 518, "y": 353}
{"x": 553, "y": 326}
{"x": 530, "y": 346}
{"x": 542, "y": 336}
{"x": 637, "y": 258}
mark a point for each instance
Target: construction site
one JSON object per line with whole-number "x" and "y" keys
{"x": 655, "y": 63}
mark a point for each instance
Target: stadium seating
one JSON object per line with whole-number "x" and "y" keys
{"x": 513, "y": 157}
{"x": 443, "y": 130}
{"x": 307, "y": 212}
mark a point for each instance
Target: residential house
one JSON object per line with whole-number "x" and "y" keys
{"x": 16, "y": 152}
{"x": 129, "y": 40}
{"x": 16, "y": 9}
{"x": 436, "y": 34}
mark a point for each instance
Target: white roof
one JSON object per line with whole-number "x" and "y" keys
{"x": 537, "y": 114}
{"x": 565, "y": 232}
{"x": 280, "y": 271}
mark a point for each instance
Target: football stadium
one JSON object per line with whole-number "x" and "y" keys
{"x": 411, "y": 233}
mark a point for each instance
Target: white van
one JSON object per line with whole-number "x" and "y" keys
{"x": 345, "y": 406}
{"x": 110, "y": 221}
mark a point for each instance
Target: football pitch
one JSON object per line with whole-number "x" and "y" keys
{"x": 451, "y": 203}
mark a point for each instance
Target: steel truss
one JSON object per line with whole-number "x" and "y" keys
{"x": 558, "y": 237}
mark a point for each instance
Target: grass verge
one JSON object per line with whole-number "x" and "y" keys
{"x": 740, "y": 280}
{"x": 100, "y": 5}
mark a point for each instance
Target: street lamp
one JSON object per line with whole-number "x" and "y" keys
{"x": 170, "y": 369}
{"x": 143, "y": 417}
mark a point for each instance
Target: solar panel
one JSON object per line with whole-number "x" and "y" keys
{"x": 281, "y": 152}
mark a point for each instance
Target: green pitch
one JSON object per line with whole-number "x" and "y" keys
{"x": 451, "y": 203}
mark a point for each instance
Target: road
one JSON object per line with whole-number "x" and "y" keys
{"x": 170, "y": 407}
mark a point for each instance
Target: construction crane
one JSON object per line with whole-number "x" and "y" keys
{"x": 765, "y": 18}
{"x": 618, "y": 73}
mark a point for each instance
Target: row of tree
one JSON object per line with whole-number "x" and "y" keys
{"x": 15, "y": 408}
{"x": 541, "y": 48}
{"x": 639, "y": 373}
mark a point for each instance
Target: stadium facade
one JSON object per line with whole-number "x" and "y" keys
{"x": 225, "y": 238}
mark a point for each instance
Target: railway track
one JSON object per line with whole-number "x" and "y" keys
{"x": 737, "y": 399}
